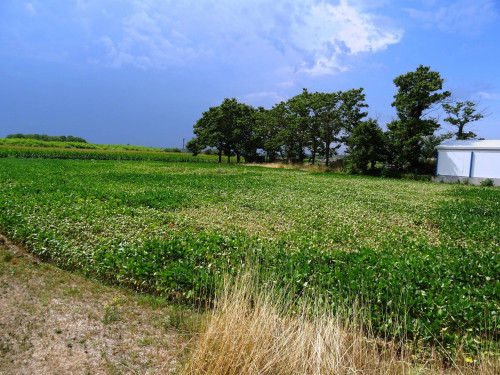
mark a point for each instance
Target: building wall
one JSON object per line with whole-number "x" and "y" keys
{"x": 453, "y": 163}
{"x": 467, "y": 163}
{"x": 486, "y": 164}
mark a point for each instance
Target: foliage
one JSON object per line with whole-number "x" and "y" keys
{"x": 316, "y": 121}
{"x": 460, "y": 115}
{"x": 418, "y": 93}
{"x": 48, "y": 138}
{"x": 487, "y": 182}
{"x": 28, "y": 142}
{"x": 421, "y": 258}
{"x": 172, "y": 149}
{"x": 430, "y": 142}
{"x": 229, "y": 128}
{"x": 60, "y": 153}
{"x": 290, "y": 131}
{"x": 366, "y": 146}
{"x": 326, "y": 117}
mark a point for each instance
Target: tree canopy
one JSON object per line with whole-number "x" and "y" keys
{"x": 419, "y": 93}
{"x": 460, "y": 115}
{"x": 309, "y": 122}
{"x": 48, "y": 138}
{"x": 317, "y": 124}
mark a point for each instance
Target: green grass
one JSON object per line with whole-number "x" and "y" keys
{"x": 28, "y": 142}
{"x": 116, "y": 153}
{"x": 421, "y": 258}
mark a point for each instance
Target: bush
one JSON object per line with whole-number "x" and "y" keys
{"x": 487, "y": 182}
{"x": 416, "y": 177}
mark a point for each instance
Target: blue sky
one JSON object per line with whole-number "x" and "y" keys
{"x": 143, "y": 71}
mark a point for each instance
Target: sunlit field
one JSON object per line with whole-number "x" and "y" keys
{"x": 420, "y": 260}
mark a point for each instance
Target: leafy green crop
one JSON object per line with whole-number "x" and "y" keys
{"x": 29, "y": 142}
{"x": 98, "y": 154}
{"x": 421, "y": 258}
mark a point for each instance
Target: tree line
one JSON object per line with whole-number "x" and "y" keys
{"x": 314, "y": 125}
{"x": 48, "y": 138}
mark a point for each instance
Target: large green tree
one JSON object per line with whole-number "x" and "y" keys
{"x": 366, "y": 146}
{"x": 289, "y": 132}
{"x": 266, "y": 130}
{"x": 460, "y": 115}
{"x": 305, "y": 109}
{"x": 245, "y": 139}
{"x": 229, "y": 128}
{"x": 326, "y": 118}
{"x": 326, "y": 109}
{"x": 209, "y": 131}
{"x": 419, "y": 93}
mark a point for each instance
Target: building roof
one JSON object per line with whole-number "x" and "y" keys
{"x": 490, "y": 144}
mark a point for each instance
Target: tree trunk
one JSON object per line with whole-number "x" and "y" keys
{"x": 327, "y": 154}
{"x": 238, "y": 157}
{"x": 220, "y": 156}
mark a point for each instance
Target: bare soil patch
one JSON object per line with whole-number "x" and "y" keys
{"x": 55, "y": 322}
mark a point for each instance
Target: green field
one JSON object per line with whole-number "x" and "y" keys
{"x": 29, "y": 142}
{"x": 101, "y": 154}
{"x": 421, "y": 258}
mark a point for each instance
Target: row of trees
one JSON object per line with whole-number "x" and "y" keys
{"x": 314, "y": 122}
{"x": 317, "y": 124}
{"x": 48, "y": 138}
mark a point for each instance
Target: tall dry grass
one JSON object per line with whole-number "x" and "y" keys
{"x": 336, "y": 167}
{"x": 252, "y": 331}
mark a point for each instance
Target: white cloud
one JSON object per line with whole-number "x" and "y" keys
{"x": 461, "y": 16}
{"x": 488, "y": 95}
{"x": 311, "y": 36}
{"x": 331, "y": 32}
{"x": 148, "y": 42}
{"x": 263, "y": 98}
{"x": 30, "y": 7}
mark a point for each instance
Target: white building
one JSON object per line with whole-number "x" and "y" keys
{"x": 469, "y": 159}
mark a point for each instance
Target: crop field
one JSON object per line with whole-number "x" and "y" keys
{"x": 100, "y": 154}
{"x": 421, "y": 259}
{"x": 28, "y": 142}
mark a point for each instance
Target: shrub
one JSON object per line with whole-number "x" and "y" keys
{"x": 487, "y": 182}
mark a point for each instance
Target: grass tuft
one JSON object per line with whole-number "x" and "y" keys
{"x": 251, "y": 331}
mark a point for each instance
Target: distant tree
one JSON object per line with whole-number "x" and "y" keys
{"x": 309, "y": 121}
{"x": 267, "y": 129}
{"x": 227, "y": 123}
{"x": 430, "y": 142}
{"x": 304, "y": 122}
{"x": 210, "y": 151}
{"x": 246, "y": 140}
{"x": 289, "y": 132}
{"x": 48, "y": 138}
{"x": 460, "y": 115}
{"x": 230, "y": 128}
{"x": 353, "y": 102}
{"x": 337, "y": 113}
{"x": 194, "y": 146}
{"x": 17, "y": 135}
{"x": 175, "y": 149}
{"x": 208, "y": 132}
{"x": 323, "y": 119}
{"x": 366, "y": 146}
{"x": 418, "y": 94}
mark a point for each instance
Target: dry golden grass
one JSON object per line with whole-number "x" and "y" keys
{"x": 251, "y": 333}
{"x": 336, "y": 167}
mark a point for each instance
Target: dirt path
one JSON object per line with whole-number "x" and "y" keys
{"x": 54, "y": 322}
